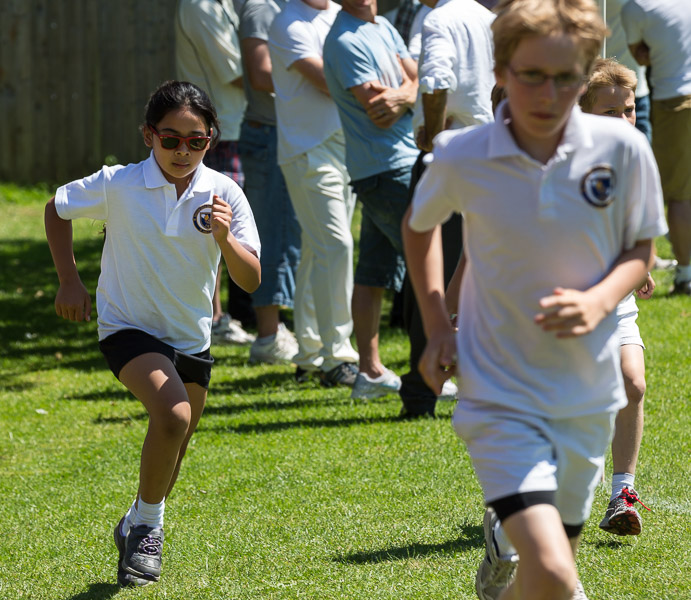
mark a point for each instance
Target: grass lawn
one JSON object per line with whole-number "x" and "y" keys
{"x": 288, "y": 491}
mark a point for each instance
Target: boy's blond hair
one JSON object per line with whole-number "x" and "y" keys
{"x": 518, "y": 19}
{"x": 607, "y": 73}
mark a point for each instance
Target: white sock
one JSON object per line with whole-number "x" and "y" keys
{"x": 129, "y": 520}
{"x": 504, "y": 545}
{"x": 683, "y": 273}
{"x": 150, "y": 514}
{"x": 620, "y": 481}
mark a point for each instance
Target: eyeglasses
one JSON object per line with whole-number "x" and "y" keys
{"x": 535, "y": 78}
{"x": 196, "y": 143}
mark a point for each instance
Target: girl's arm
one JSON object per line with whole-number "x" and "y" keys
{"x": 570, "y": 313}
{"x": 72, "y": 301}
{"x": 243, "y": 266}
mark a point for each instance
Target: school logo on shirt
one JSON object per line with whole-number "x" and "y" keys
{"x": 202, "y": 218}
{"x": 597, "y": 186}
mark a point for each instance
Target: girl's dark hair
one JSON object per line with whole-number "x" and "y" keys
{"x": 171, "y": 95}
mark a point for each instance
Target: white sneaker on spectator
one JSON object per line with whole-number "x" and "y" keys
{"x": 449, "y": 391}
{"x": 275, "y": 349}
{"x": 230, "y": 331}
{"x": 366, "y": 388}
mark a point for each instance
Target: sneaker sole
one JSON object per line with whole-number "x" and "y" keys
{"x": 624, "y": 524}
{"x": 372, "y": 395}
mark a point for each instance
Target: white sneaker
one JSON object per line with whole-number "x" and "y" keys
{"x": 230, "y": 331}
{"x": 495, "y": 572}
{"x": 366, "y": 388}
{"x": 276, "y": 349}
{"x": 579, "y": 592}
{"x": 449, "y": 391}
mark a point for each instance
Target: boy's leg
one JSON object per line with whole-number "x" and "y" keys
{"x": 547, "y": 568}
{"x": 621, "y": 516}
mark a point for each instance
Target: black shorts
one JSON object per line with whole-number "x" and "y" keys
{"x": 122, "y": 346}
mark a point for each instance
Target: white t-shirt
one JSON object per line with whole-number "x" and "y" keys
{"x": 207, "y": 53}
{"x": 529, "y": 228}
{"x": 665, "y": 27}
{"x": 457, "y": 55}
{"x": 305, "y": 116}
{"x": 159, "y": 262}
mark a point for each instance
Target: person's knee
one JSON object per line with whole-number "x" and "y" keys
{"x": 174, "y": 424}
{"x": 553, "y": 578}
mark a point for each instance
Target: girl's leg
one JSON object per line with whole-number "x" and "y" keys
{"x": 197, "y": 396}
{"x": 547, "y": 568}
{"x": 152, "y": 378}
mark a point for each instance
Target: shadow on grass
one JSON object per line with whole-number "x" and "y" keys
{"x": 471, "y": 537}
{"x": 254, "y": 428}
{"x": 97, "y": 591}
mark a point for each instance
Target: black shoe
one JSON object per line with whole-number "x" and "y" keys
{"x": 416, "y": 407}
{"x": 344, "y": 374}
{"x": 143, "y": 549}
{"x": 125, "y": 579}
{"x": 681, "y": 287}
{"x": 302, "y": 375}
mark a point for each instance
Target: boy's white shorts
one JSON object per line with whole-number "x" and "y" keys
{"x": 627, "y": 329}
{"x": 514, "y": 453}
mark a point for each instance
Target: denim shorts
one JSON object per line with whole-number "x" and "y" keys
{"x": 121, "y": 347}
{"x": 384, "y": 200}
{"x": 278, "y": 227}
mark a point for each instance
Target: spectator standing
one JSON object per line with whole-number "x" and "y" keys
{"x": 311, "y": 153}
{"x": 266, "y": 189}
{"x": 373, "y": 81}
{"x": 658, "y": 33}
{"x": 456, "y": 77}
{"x": 207, "y": 53}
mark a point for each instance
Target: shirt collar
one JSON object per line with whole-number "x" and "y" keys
{"x": 154, "y": 178}
{"x": 502, "y": 142}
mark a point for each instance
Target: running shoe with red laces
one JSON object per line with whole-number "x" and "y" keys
{"x": 621, "y": 517}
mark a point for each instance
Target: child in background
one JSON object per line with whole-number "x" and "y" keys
{"x": 611, "y": 92}
{"x": 169, "y": 221}
{"x": 560, "y": 211}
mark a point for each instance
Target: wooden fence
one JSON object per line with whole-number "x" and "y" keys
{"x": 74, "y": 78}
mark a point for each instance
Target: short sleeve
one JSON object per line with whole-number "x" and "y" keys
{"x": 433, "y": 201}
{"x": 243, "y": 226}
{"x": 255, "y": 20}
{"x": 349, "y": 63}
{"x": 85, "y": 198}
{"x": 294, "y": 41}
{"x": 437, "y": 70}
{"x": 213, "y": 33}
{"x": 632, "y": 19}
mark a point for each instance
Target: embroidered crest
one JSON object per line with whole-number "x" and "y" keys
{"x": 202, "y": 218}
{"x": 597, "y": 186}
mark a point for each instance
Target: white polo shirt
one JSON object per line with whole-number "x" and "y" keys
{"x": 529, "y": 228}
{"x": 457, "y": 55}
{"x": 207, "y": 53}
{"x": 159, "y": 262}
{"x": 305, "y": 116}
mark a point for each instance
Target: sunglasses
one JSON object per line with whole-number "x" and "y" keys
{"x": 535, "y": 78}
{"x": 197, "y": 143}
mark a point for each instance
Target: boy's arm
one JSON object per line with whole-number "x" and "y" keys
{"x": 243, "y": 266}
{"x": 570, "y": 313}
{"x": 424, "y": 260}
{"x": 72, "y": 301}
{"x": 453, "y": 290}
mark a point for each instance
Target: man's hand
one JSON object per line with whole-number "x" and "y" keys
{"x": 570, "y": 313}
{"x": 221, "y": 217}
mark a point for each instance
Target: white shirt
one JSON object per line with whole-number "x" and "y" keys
{"x": 457, "y": 55}
{"x": 305, "y": 116}
{"x": 529, "y": 228}
{"x": 207, "y": 53}
{"x": 665, "y": 27}
{"x": 616, "y": 46}
{"x": 159, "y": 265}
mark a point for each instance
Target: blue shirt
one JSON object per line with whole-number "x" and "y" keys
{"x": 355, "y": 52}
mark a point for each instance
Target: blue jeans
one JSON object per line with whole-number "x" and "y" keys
{"x": 278, "y": 227}
{"x": 384, "y": 200}
{"x": 643, "y": 116}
